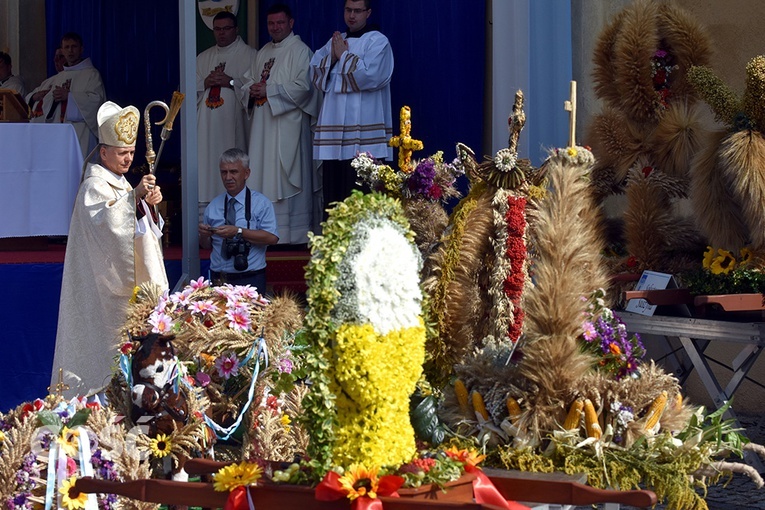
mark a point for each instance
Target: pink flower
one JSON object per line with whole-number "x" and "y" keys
{"x": 199, "y": 283}
{"x": 161, "y": 323}
{"x": 203, "y": 307}
{"x": 247, "y": 292}
{"x": 589, "y": 332}
{"x": 71, "y": 467}
{"x": 239, "y": 318}
{"x": 227, "y": 365}
{"x": 285, "y": 366}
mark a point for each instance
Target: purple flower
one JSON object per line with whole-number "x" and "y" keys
{"x": 285, "y": 366}
{"x": 421, "y": 180}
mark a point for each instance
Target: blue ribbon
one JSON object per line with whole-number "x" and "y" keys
{"x": 51, "y": 481}
{"x": 125, "y": 366}
{"x": 262, "y": 350}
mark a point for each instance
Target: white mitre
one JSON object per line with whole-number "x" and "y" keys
{"x": 118, "y": 126}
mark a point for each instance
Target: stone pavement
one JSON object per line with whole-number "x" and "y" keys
{"x": 740, "y": 493}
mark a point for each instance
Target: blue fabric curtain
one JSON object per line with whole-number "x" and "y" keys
{"x": 439, "y": 52}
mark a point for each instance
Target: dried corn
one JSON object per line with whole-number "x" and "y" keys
{"x": 655, "y": 411}
{"x": 462, "y": 396}
{"x": 574, "y": 417}
{"x": 678, "y": 401}
{"x": 513, "y": 409}
{"x": 591, "y": 420}
{"x": 478, "y": 405}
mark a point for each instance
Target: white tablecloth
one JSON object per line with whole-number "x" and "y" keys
{"x": 40, "y": 168}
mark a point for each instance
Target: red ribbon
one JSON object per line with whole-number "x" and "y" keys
{"x": 485, "y": 492}
{"x": 237, "y": 499}
{"x": 330, "y": 490}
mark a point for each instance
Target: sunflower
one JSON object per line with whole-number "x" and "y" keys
{"x": 724, "y": 263}
{"x": 66, "y": 500}
{"x": 68, "y": 441}
{"x": 709, "y": 256}
{"x": 161, "y": 446}
{"x": 236, "y": 475}
{"x": 359, "y": 482}
{"x": 746, "y": 256}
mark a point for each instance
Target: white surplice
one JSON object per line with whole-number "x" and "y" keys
{"x": 107, "y": 255}
{"x": 281, "y": 166}
{"x": 356, "y": 111}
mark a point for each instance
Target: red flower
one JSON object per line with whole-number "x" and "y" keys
{"x": 31, "y": 407}
{"x": 93, "y": 405}
{"x": 208, "y": 323}
{"x": 647, "y": 170}
{"x": 632, "y": 261}
{"x": 126, "y": 348}
{"x": 660, "y": 78}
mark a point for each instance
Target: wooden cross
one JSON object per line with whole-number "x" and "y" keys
{"x": 60, "y": 387}
{"x": 570, "y": 106}
{"x": 404, "y": 142}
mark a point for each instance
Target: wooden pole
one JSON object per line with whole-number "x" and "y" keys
{"x": 570, "y": 106}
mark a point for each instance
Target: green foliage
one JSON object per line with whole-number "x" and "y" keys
{"x": 741, "y": 280}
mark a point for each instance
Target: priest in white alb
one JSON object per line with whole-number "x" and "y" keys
{"x": 114, "y": 246}
{"x": 73, "y": 95}
{"x": 283, "y": 105}
{"x": 221, "y": 116}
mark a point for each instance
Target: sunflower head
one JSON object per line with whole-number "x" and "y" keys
{"x": 359, "y": 482}
{"x": 161, "y": 446}
{"x": 709, "y": 256}
{"x": 67, "y": 440}
{"x": 236, "y": 475}
{"x": 69, "y": 502}
{"x": 724, "y": 263}
{"x": 746, "y": 256}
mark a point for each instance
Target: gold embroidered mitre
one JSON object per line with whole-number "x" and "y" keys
{"x": 118, "y": 126}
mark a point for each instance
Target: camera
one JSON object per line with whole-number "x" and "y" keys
{"x": 239, "y": 249}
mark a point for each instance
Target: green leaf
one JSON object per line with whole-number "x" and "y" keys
{"x": 50, "y": 419}
{"x": 79, "y": 418}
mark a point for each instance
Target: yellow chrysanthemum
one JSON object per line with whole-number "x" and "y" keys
{"x": 134, "y": 297}
{"x": 161, "y": 446}
{"x": 236, "y": 475}
{"x": 571, "y": 151}
{"x": 286, "y": 422}
{"x": 66, "y": 500}
{"x": 359, "y": 482}
{"x": 709, "y": 256}
{"x": 724, "y": 263}
{"x": 67, "y": 440}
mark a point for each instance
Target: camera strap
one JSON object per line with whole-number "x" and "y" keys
{"x": 247, "y": 210}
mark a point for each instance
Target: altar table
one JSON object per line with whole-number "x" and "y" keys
{"x": 40, "y": 169}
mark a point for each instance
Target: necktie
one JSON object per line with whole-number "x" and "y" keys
{"x": 231, "y": 212}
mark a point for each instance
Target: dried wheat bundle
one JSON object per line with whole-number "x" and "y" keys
{"x": 718, "y": 212}
{"x": 566, "y": 246}
{"x": 13, "y": 449}
{"x": 617, "y": 144}
{"x": 678, "y": 136}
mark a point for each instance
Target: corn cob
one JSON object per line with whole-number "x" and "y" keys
{"x": 478, "y": 405}
{"x": 462, "y": 396}
{"x": 513, "y": 409}
{"x": 655, "y": 411}
{"x": 591, "y": 420}
{"x": 678, "y": 401}
{"x": 574, "y": 417}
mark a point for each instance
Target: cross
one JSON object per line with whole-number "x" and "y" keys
{"x": 570, "y": 106}
{"x": 60, "y": 387}
{"x": 404, "y": 142}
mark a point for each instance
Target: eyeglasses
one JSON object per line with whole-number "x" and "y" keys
{"x": 223, "y": 29}
{"x": 348, "y": 10}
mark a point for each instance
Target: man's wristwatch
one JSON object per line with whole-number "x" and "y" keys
{"x": 231, "y": 83}
{"x": 239, "y": 231}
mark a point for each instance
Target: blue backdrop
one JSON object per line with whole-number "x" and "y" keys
{"x": 439, "y": 51}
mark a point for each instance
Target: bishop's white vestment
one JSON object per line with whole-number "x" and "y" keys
{"x": 356, "y": 111}
{"x": 221, "y": 121}
{"x": 86, "y": 95}
{"x": 108, "y": 254}
{"x": 281, "y": 166}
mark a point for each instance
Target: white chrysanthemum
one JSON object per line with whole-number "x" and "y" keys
{"x": 505, "y": 160}
{"x": 386, "y": 275}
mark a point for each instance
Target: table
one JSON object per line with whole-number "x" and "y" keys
{"x": 40, "y": 170}
{"x": 695, "y": 335}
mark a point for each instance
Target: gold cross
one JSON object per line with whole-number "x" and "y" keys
{"x": 404, "y": 142}
{"x": 570, "y": 106}
{"x": 60, "y": 387}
